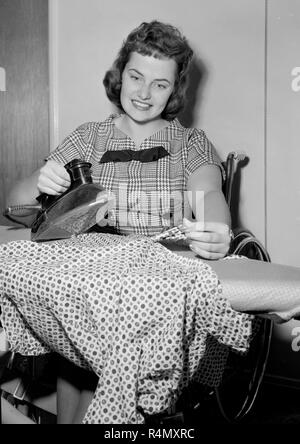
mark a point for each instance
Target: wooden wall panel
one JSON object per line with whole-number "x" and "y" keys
{"x": 24, "y": 106}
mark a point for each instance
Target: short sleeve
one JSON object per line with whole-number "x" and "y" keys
{"x": 73, "y": 146}
{"x": 200, "y": 152}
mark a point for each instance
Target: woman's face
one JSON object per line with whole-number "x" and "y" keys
{"x": 147, "y": 83}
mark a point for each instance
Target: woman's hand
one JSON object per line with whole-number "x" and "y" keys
{"x": 53, "y": 178}
{"x": 210, "y": 240}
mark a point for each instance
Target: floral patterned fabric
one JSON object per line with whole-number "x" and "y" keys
{"x": 147, "y": 321}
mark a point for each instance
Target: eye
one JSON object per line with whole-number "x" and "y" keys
{"x": 133, "y": 77}
{"x": 161, "y": 86}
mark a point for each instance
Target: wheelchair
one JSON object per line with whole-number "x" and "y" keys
{"x": 29, "y": 382}
{"x": 234, "y": 398}
{"x": 243, "y": 375}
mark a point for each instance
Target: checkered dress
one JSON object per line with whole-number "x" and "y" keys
{"x": 148, "y": 197}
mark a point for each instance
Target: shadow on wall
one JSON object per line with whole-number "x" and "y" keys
{"x": 197, "y": 79}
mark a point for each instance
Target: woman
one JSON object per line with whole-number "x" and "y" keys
{"x": 147, "y": 83}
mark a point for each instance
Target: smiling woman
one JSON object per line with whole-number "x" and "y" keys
{"x": 147, "y": 84}
{"x": 165, "y": 44}
{"x": 159, "y": 159}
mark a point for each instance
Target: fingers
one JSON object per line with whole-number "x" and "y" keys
{"x": 209, "y": 232}
{"x": 210, "y": 248}
{"x": 209, "y": 245}
{"x": 208, "y": 237}
{"x": 204, "y": 254}
{"x": 217, "y": 227}
{"x": 209, "y": 251}
{"x": 209, "y": 240}
{"x": 53, "y": 179}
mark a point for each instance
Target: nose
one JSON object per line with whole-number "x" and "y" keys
{"x": 144, "y": 92}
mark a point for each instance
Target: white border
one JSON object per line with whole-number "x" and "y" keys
{"x": 53, "y": 74}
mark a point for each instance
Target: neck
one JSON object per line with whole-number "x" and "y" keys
{"x": 139, "y": 131}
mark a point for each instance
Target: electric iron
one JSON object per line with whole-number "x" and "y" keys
{"x": 74, "y": 212}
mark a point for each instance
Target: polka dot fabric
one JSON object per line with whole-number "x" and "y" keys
{"x": 147, "y": 321}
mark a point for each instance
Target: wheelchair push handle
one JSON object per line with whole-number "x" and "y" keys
{"x": 233, "y": 158}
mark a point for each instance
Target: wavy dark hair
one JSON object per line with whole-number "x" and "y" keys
{"x": 159, "y": 40}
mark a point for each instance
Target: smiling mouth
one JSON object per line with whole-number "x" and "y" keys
{"x": 141, "y": 106}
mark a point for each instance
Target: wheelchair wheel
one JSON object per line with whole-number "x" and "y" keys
{"x": 244, "y": 373}
{"x": 244, "y": 243}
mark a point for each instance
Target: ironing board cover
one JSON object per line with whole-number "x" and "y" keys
{"x": 147, "y": 321}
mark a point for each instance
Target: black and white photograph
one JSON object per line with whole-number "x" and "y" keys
{"x": 150, "y": 215}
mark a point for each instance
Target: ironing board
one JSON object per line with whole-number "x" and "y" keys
{"x": 260, "y": 288}
{"x": 263, "y": 289}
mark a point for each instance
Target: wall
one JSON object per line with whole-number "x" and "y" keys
{"x": 283, "y": 132}
{"x": 282, "y": 172}
{"x": 228, "y": 39}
